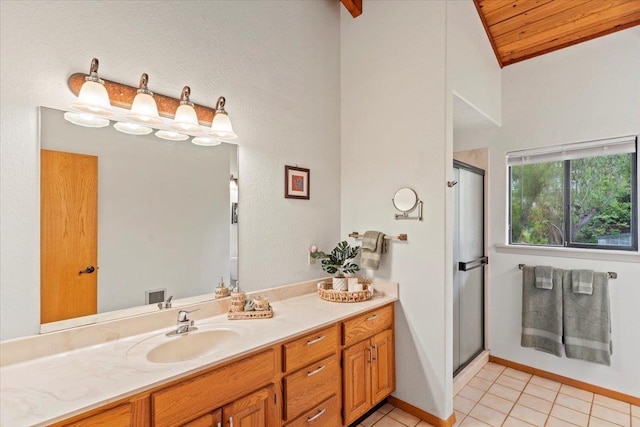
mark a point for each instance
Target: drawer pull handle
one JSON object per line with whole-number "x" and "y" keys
{"x": 375, "y": 352}
{"x": 316, "y": 371}
{"x": 375, "y": 316}
{"x": 316, "y": 340}
{"x": 316, "y": 416}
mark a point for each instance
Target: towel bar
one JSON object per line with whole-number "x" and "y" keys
{"x": 611, "y": 274}
{"x": 402, "y": 237}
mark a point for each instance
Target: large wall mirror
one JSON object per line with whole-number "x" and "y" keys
{"x": 154, "y": 218}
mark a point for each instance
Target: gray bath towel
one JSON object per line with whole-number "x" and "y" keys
{"x": 544, "y": 279}
{"x": 372, "y": 249}
{"x": 587, "y": 321}
{"x": 542, "y": 313}
{"x": 582, "y": 281}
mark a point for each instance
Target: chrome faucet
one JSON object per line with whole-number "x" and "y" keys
{"x": 167, "y": 303}
{"x": 184, "y": 324}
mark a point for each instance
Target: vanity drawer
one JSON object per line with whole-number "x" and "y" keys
{"x": 312, "y": 384}
{"x": 202, "y": 394}
{"x": 310, "y": 348}
{"x": 326, "y": 414}
{"x": 367, "y": 325}
{"x": 118, "y": 416}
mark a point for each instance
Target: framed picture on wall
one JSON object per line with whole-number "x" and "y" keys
{"x": 296, "y": 182}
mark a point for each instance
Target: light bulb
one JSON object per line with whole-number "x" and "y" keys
{"x": 221, "y": 124}
{"x": 186, "y": 119}
{"x": 93, "y": 97}
{"x": 144, "y": 109}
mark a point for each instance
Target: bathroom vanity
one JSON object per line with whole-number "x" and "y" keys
{"x": 316, "y": 363}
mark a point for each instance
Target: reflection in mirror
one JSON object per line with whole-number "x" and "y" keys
{"x": 152, "y": 219}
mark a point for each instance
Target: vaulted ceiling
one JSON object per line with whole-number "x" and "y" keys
{"x": 523, "y": 29}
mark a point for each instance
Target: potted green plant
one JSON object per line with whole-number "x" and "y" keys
{"x": 338, "y": 261}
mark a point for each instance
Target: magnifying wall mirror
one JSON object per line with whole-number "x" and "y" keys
{"x": 405, "y": 200}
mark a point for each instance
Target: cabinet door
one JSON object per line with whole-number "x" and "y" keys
{"x": 212, "y": 419}
{"x": 254, "y": 410}
{"x": 382, "y": 366}
{"x": 356, "y": 381}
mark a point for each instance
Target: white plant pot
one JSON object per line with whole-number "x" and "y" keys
{"x": 340, "y": 283}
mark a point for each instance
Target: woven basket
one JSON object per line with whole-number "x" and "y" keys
{"x": 342, "y": 296}
{"x": 239, "y": 315}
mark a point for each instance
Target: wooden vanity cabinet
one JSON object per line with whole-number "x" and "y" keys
{"x": 311, "y": 382}
{"x": 212, "y": 419}
{"x": 120, "y": 416}
{"x": 369, "y": 364}
{"x": 199, "y": 396}
{"x": 327, "y": 378}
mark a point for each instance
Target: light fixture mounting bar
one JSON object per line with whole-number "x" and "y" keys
{"x": 121, "y": 95}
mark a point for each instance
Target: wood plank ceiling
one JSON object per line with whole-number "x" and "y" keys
{"x": 523, "y": 29}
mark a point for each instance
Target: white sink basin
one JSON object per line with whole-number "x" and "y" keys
{"x": 206, "y": 340}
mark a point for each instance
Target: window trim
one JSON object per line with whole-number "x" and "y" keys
{"x": 567, "y": 237}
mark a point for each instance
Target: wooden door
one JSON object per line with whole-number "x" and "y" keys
{"x": 212, "y": 419}
{"x": 356, "y": 381}
{"x": 68, "y": 235}
{"x": 382, "y": 366}
{"x": 254, "y": 410}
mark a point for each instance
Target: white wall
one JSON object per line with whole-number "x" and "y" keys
{"x": 393, "y": 135}
{"x": 588, "y": 91}
{"x": 472, "y": 68}
{"x": 276, "y": 62}
{"x": 162, "y": 223}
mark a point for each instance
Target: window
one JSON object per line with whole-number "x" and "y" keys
{"x": 575, "y": 195}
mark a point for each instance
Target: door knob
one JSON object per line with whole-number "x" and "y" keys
{"x": 90, "y": 269}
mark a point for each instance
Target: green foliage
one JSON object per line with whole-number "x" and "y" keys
{"x": 600, "y": 205}
{"x": 337, "y": 261}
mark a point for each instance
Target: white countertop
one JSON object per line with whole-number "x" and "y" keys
{"x": 52, "y": 388}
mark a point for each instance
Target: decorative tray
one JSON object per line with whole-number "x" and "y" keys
{"x": 257, "y": 314}
{"x": 343, "y": 296}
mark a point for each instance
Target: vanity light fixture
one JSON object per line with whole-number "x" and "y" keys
{"x": 144, "y": 109}
{"x": 137, "y": 111}
{"x": 186, "y": 119}
{"x": 221, "y": 124}
{"x": 93, "y": 97}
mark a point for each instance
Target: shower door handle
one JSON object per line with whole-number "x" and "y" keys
{"x": 466, "y": 266}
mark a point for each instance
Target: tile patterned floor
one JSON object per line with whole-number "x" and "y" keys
{"x": 504, "y": 397}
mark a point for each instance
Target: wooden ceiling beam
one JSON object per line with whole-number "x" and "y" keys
{"x": 353, "y": 6}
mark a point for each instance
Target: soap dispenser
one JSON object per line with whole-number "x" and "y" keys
{"x": 221, "y": 290}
